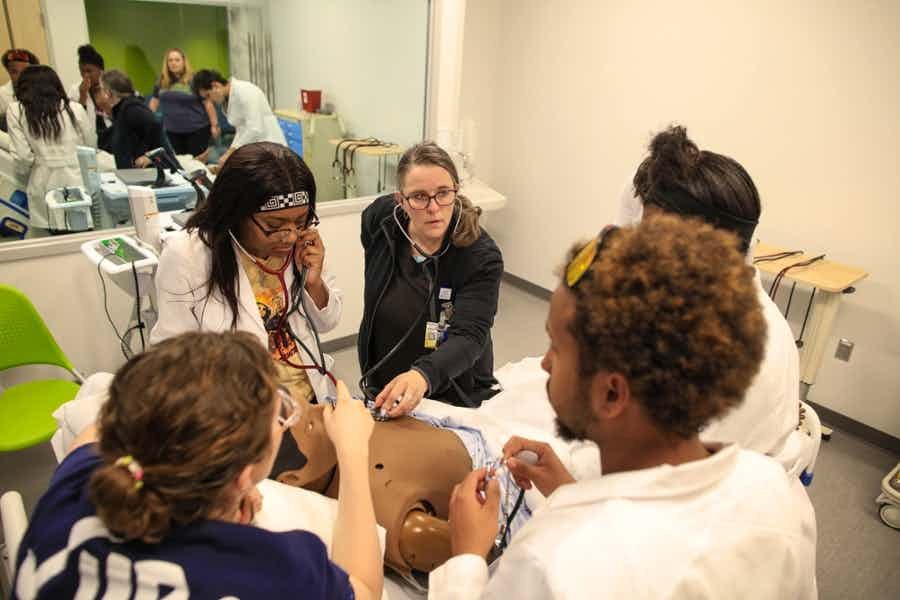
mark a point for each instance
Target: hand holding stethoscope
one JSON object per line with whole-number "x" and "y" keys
{"x": 309, "y": 253}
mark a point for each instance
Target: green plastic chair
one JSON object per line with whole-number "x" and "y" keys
{"x": 26, "y": 409}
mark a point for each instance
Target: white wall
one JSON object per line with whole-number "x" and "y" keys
{"x": 564, "y": 96}
{"x": 368, "y": 57}
{"x": 65, "y": 22}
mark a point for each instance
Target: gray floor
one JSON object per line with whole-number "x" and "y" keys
{"x": 858, "y": 556}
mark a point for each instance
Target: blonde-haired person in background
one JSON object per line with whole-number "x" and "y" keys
{"x": 162, "y": 492}
{"x": 188, "y": 119}
{"x": 426, "y": 237}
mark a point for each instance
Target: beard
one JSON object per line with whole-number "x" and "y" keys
{"x": 573, "y": 428}
{"x": 568, "y": 433}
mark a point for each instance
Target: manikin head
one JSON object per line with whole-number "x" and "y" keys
{"x": 653, "y": 339}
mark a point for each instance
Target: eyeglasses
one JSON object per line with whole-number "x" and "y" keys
{"x": 582, "y": 261}
{"x": 288, "y": 410}
{"x": 421, "y": 200}
{"x": 286, "y": 232}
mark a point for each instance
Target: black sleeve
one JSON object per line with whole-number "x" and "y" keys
{"x": 474, "y": 308}
{"x": 144, "y": 124}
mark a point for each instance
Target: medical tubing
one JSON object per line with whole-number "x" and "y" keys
{"x": 799, "y": 340}
{"x": 512, "y": 515}
{"x": 304, "y": 273}
{"x": 320, "y": 367}
{"x": 137, "y": 299}
{"x": 106, "y": 305}
{"x": 412, "y": 327}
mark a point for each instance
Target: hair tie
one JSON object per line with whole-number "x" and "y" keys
{"x": 134, "y": 467}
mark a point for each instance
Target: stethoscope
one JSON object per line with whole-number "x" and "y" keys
{"x": 291, "y": 305}
{"x": 456, "y": 213}
{"x": 426, "y": 307}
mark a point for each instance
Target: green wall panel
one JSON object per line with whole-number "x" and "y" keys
{"x": 132, "y": 36}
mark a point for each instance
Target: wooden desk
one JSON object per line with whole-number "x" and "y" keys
{"x": 831, "y": 280}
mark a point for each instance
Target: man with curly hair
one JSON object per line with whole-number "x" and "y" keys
{"x": 654, "y": 331}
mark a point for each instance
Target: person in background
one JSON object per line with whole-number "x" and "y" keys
{"x": 44, "y": 129}
{"x": 425, "y": 237}
{"x": 14, "y": 61}
{"x": 679, "y": 178}
{"x": 650, "y": 339}
{"x": 246, "y": 107}
{"x": 189, "y": 120}
{"x": 87, "y": 91}
{"x": 135, "y": 128}
{"x": 158, "y": 499}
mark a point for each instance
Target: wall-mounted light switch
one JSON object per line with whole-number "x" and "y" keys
{"x": 844, "y": 349}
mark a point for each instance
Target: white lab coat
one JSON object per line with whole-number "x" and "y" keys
{"x": 733, "y": 525}
{"x": 45, "y": 164}
{"x": 183, "y": 304}
{"x": 7, "y": 96}
{"x": 770, "y": 412}
{"x": 250, "y": 114}
{"x": 91, "y": 111}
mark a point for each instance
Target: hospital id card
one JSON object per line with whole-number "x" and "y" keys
{"x": 434, "y": 335}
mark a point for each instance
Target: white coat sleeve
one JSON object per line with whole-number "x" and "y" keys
{"x": 248, "y": 125}
{"x": 329, "y": 316}
{"x": 87, "y": 136}
{"x": 179, "y": 295}
{"x": 631, "y": 209}
{"x": 88, "y": 125}
{"x": 23, "y": 156}
{"x": 520, "y": 575}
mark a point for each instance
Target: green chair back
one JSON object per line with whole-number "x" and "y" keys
{"x": 24, "y": 338}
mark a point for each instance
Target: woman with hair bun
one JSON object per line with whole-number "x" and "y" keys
{"x": 677, "y": 177}
{"x": 425, "y": 239}
{"x": 158, "y": 499}
{"x": 87, "y": 92}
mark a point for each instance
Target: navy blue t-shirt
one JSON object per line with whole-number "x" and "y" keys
{"x": 67, "y": 552}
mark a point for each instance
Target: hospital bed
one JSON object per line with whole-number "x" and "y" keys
{"x": 520, "y": 409}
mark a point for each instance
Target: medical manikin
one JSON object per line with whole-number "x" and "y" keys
{"x": 413, "y": 468}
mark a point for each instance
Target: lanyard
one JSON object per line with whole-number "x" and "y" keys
{"x": 289, "y": 307}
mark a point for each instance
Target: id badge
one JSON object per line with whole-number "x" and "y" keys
{"x": 432, "y": 335}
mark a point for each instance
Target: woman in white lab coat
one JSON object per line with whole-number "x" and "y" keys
{"x": 15, "y": 60}
{"x": 87, "y": 93}
{"x": 236, "y": 264}
{"x": 677, "y": 177}
{"x": 44, "y": 128}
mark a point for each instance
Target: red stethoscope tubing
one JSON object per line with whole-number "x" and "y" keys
{"x": 279, "y": 329}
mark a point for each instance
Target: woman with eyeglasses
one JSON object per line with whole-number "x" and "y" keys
{"x": 159, "y": 497}
{"x": 251, "y": 259}
{"x": 432, "y": 279}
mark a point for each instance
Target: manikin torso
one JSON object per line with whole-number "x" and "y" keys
{"x": 413, "y": 468}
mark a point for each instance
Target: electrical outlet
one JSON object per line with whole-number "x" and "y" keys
{"x": 844, "y": 349}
